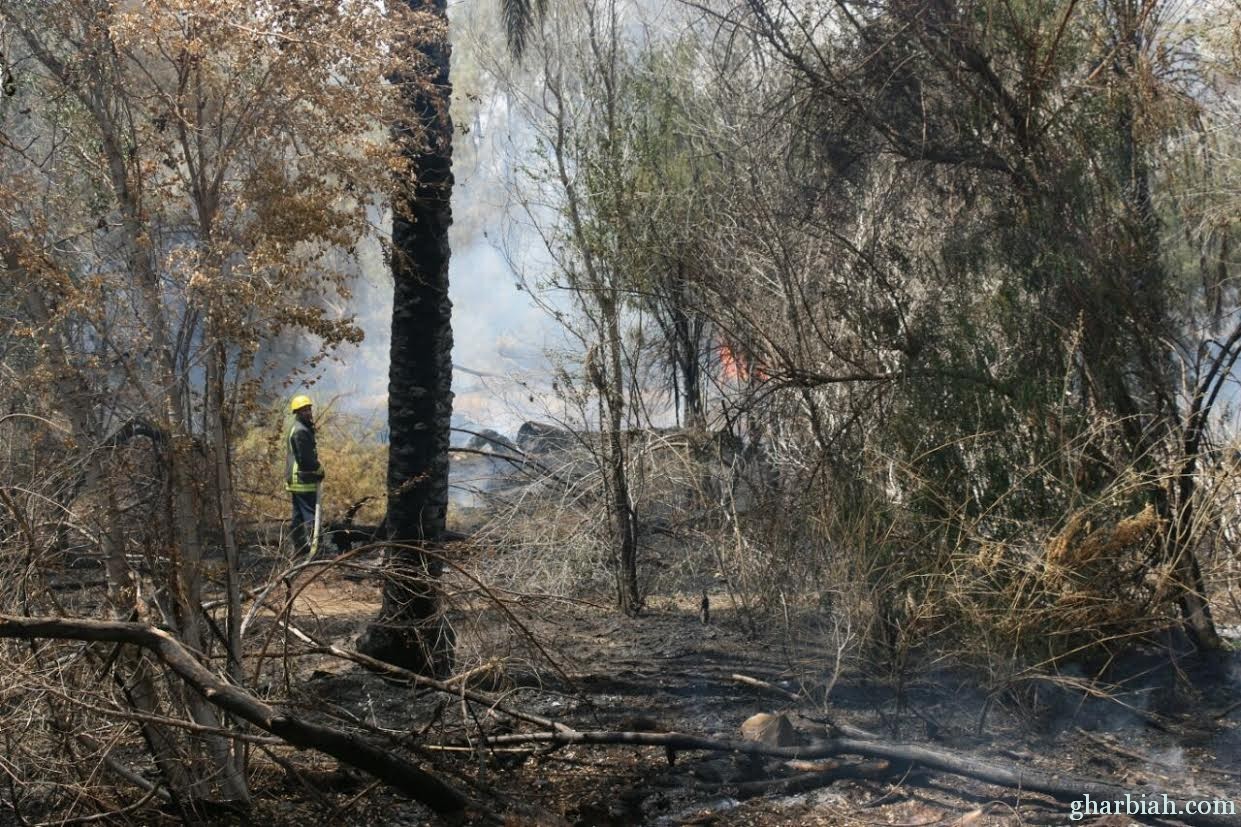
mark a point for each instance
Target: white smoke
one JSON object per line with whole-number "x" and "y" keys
{"x": 501, "y": 337}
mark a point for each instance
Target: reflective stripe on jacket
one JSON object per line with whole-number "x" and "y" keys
{"x": 302, "y": 471}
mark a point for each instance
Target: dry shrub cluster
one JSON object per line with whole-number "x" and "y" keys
{"x": 901, "y": 592}
{"x": 547, "y": 520}
{"x": 853, "y": 574}
{"x": 546, "y": 529}
{"x": 1091, "y": 587}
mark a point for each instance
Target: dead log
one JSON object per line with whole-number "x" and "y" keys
{"x": 376, "y": 759}
{"x": 1060, "y": 786}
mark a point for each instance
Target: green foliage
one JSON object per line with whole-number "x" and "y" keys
{"x": 961, "y": 258}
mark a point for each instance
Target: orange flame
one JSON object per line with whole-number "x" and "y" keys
{"x": 730, "y": 367}
{"x": 737, "y": 366}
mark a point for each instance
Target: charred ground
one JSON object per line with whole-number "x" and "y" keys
{"x": 1149, "y": 720}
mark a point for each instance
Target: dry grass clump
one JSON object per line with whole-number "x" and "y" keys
{"x": 545, "y": 540}
{"x": 1082, "y": 549}
{"x": 1094, "y": 585}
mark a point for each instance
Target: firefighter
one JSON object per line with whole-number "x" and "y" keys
{"x": 302, "y": 471}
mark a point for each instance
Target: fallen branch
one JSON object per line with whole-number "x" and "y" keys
{"x": 834, "y": 728}
{"x": 375, "y": 759}
{"x": 806, "y": 781}
{"x": 122, "y": 771}
{"x": 768, "y": 687}
{"x": 1228, "y": 711}
{"x": 1147, "y": 760}
{"x": 1062, "y": 787}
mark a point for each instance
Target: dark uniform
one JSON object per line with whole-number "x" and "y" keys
{"x": 302, "y": 475}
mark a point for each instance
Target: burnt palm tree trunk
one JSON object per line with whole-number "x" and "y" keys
{"x": 409, "y": 630}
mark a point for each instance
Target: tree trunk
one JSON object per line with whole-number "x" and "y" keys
{"x": 620, "y": 507}
{"x": 687, "y": 333}
{"x": 1147, "y": 281}
{"x": 409, "y": 630}
{"x": 234, "y": 775}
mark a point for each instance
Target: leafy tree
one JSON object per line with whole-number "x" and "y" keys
{"x": 1039, "y": 133}
{"x": 174, "y": 179}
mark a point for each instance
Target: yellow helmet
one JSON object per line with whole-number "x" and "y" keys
{"x": 300, "y": 401}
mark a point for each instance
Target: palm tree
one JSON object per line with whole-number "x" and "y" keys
{"x": 409, "y": 630}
